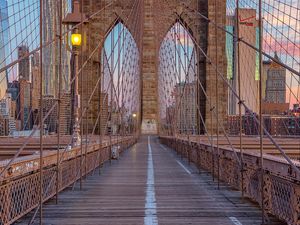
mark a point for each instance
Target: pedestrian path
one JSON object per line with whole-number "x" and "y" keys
{"x": 150, "y": 184}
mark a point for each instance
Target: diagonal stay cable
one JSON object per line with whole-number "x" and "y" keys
{"x": 52, "y": 108}
{"x": 55, "y": 39}
{"x": 241, "y": 40}
{"x": 203, "y": 89}
{"x": 246, "y": 107}
{"x": 89, "y": 101}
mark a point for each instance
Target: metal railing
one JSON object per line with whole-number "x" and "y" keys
{"x": 281, "y": 183}
{"x": 19, "y": 189}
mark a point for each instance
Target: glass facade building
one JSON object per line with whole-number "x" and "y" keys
{"x": 51, "y": 53}
{"x": 4, "y": 39}
{"x": 249, "y": 60}
{"x": 230, "y": 52}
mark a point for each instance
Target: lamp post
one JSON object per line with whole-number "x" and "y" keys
{"x": 73, "y": 19}
{"x": 76, "y": 42}
{"x": 134, "y": 116}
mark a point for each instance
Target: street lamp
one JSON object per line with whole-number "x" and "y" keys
{"x": 134, "y": 116}
{"x": 74, "y": 19}
{"x": 76, "y": 39}
{"x": 76, "y": 42}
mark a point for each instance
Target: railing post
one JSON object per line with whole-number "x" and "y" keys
{"x": 189, "y": 148}
{"x": 7, "y": 206}
{"x": 295, "y": 204}
{"x": 198, "y": 158}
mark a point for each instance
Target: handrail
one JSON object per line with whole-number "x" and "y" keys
{"x": 271, "y": 164}
{"x": 281, "y": 182}
{"x": 27, "y": 164}
{"x": 20, "y": 187}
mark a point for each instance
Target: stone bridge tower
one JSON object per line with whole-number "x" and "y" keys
{"x": 149, "y": 21}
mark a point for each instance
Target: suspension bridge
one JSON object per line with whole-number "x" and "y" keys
{"x": 150, "y": 112}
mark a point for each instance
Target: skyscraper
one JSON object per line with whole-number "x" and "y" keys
{"x": 7, "y": 112}
{"x": 13, "y": 89}
{"x": 35, "y": 81}
{"x": 248, "y": 27}
{"x": 24, "y": 98}
{"x": 265, "y": 68}
{"x": 51, "y": 52}
{"x": 275, "y": 87}
{"x": 66, "y": 114}
{"x": 24, "y": 108}
{"x": 23, "y": 56}
{"x": 4, "y": 126}
{"x": 50, "y": 122}
{"x": 5, "y": 105}
{"x": 4, "y": 38}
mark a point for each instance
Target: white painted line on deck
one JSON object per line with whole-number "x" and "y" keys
{"x": 163, "y": 147}
{"x": 150, "y": 205}
{"x": 186, "y": 169}
{"x": 235, "y": 221}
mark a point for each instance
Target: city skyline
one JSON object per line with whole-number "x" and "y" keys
{"x": 29, "y": 34}
{"x": 182, "y": 39}
{"x": 280, "y": 34}
{"x": 165, "y": 116}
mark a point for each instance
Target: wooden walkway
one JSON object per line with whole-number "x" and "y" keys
{"x": 151, "y": 185}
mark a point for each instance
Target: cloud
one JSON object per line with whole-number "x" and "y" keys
{"x": 284, "y": 47}
{"x": 293, "y": 99}
{"x": 180, "y": 34}
{"x": 282, "y": 15}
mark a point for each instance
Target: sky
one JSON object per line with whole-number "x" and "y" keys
{"x": 121, "y": 57}
{"x": 23, "y": 19}
{"x": 281, "y": 34}
{"x": 281, "y": 29}
{"x": 281, "y": 19}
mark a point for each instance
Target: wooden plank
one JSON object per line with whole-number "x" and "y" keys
{"x": 117, "y": 197}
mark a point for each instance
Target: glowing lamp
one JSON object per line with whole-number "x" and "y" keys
{"x": 134, "y": 115}
{"x": 76, "y": 39}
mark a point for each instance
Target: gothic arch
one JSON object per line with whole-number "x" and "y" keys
{"x": 155, "y": 19}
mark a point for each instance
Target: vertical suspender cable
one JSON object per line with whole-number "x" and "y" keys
{"x": 260, "y": 111}
{"x": 217, "y": 95}
{"x": 101, "y": 102}
{"x": 111, "y": 92}
{"x": 120, "y": 108}
{"x": 60, "y": 11}
{"x": 175, "y": 123}
{"x": 81, "y": 103}
{"x": 212, "y": 133}
{"x": 87, "y": 100}
{"x": 237, "y": 58}
{"x": 41, "y": 114}
{"x": 100, "y": 110}
{"x": 122, "y": 83}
